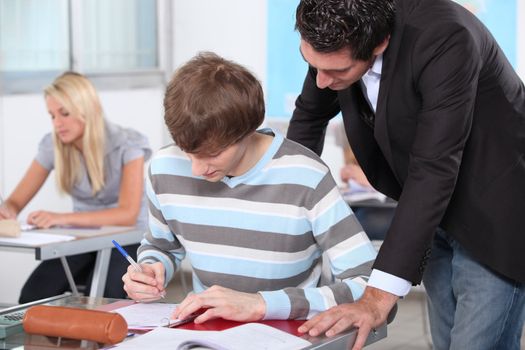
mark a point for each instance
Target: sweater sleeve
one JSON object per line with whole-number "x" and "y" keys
{"x": 159, "y": 244}
{"x": 345, "y": 248}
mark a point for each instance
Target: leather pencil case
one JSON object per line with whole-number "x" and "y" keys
{"x": 58, "y": 321}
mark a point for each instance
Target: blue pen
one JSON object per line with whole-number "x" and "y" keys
{"x": 126, "y": 255}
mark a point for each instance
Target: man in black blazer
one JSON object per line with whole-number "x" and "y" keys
{"x": 435, "y": 115}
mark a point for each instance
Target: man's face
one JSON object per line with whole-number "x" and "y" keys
{"x": 216, "y": 165}
{"x": 335, "y": 70}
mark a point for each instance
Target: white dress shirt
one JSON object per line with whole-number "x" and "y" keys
{"x": 379, "y": 279}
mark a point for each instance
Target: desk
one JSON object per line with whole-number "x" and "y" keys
{"x": 372, "y": 203}
{"x": 37, "y": 342}
{"x": 340, "y": 341}
{"x": 86, "y": 241}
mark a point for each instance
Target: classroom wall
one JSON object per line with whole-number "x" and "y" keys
{"x": 235, "y": 29}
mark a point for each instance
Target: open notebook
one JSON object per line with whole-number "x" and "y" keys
{"x": 253, "y": 336}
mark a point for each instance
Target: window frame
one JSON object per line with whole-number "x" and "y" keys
{"x": 12, "y": 83}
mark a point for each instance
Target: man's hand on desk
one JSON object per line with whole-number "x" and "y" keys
{"x": 225, "y": 303}
{"x": 147, "y": 285}
{"x": 367, "y": 313}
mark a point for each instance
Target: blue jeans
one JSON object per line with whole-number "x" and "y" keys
{"x": 471, "y": 306}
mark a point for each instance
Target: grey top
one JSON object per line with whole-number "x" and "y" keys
{"x": 122, "y": 146}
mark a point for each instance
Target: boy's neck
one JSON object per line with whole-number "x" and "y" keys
{"x": 257, "y": 145}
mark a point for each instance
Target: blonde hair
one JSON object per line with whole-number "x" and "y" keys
{"x": 79, "y": 97}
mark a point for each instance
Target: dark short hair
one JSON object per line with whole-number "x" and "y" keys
{"x": 360, "y": 25}
{"x": 212, "y": 103}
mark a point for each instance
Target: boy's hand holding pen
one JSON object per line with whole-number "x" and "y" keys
{"x": 143, "y": 282}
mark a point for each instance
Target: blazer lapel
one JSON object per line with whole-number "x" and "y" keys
{"x": 389, "y": 64}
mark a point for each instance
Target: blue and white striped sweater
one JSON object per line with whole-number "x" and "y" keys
{"x": 263, "y": 231}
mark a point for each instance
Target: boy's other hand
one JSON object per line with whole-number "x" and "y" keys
{"x": 225, "y": 303}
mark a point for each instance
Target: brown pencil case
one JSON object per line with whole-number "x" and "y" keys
{"x": 58, "y": 321}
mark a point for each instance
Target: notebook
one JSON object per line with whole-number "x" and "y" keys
{"x": 146, "y": 316}
{"x": 253, "y": 336}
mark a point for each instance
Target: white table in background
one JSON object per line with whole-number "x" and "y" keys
{"x": 86, "y": 240}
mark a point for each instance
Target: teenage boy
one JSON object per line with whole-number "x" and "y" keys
{"x": 253, "y": 212}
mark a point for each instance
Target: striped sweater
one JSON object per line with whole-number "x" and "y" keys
{"x": 264, "y": 231}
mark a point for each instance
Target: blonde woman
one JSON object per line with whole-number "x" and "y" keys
{"x": 99, "y": 164}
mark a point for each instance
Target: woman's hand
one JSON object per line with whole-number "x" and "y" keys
{"x": 6, "y": 212}
{"x": 46, "y": 219}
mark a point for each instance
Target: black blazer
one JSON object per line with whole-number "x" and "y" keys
{"x": 448, "y": 140}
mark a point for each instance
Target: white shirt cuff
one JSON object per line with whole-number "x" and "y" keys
{"x": 389, "y": 283}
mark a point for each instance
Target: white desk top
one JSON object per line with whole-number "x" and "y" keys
{"x": 84, "y": 241}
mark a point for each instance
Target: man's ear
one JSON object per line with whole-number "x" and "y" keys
{"x": 381, "y": 47}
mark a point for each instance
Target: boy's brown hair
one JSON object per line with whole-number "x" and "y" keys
{"x": 212, "y": 103}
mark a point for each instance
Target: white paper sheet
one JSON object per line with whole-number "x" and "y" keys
{"x": 34, "y": 239}
{"x": 147, "y": 315}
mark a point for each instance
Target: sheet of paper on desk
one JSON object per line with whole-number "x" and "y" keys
{"x": 86, "y": 231}
{"x": 253, "y": 336}
{"x": 356, "y": 192}
{"x": 34, "y": 239}
{"x": 147, "y": 315}
{"x": 24, "y": 226}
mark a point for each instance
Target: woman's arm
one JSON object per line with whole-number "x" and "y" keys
{"x": 125, "y": 214}
{"x": 26, "y": 189}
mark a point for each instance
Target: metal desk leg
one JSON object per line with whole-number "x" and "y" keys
{"x": 69, "y": 275}
{"x": 100, "y": 273}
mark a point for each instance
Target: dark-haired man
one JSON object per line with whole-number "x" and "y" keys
{"x": 436, "y": 117}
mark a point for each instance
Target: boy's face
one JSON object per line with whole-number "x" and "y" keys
{"x": 226, "y": 162}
